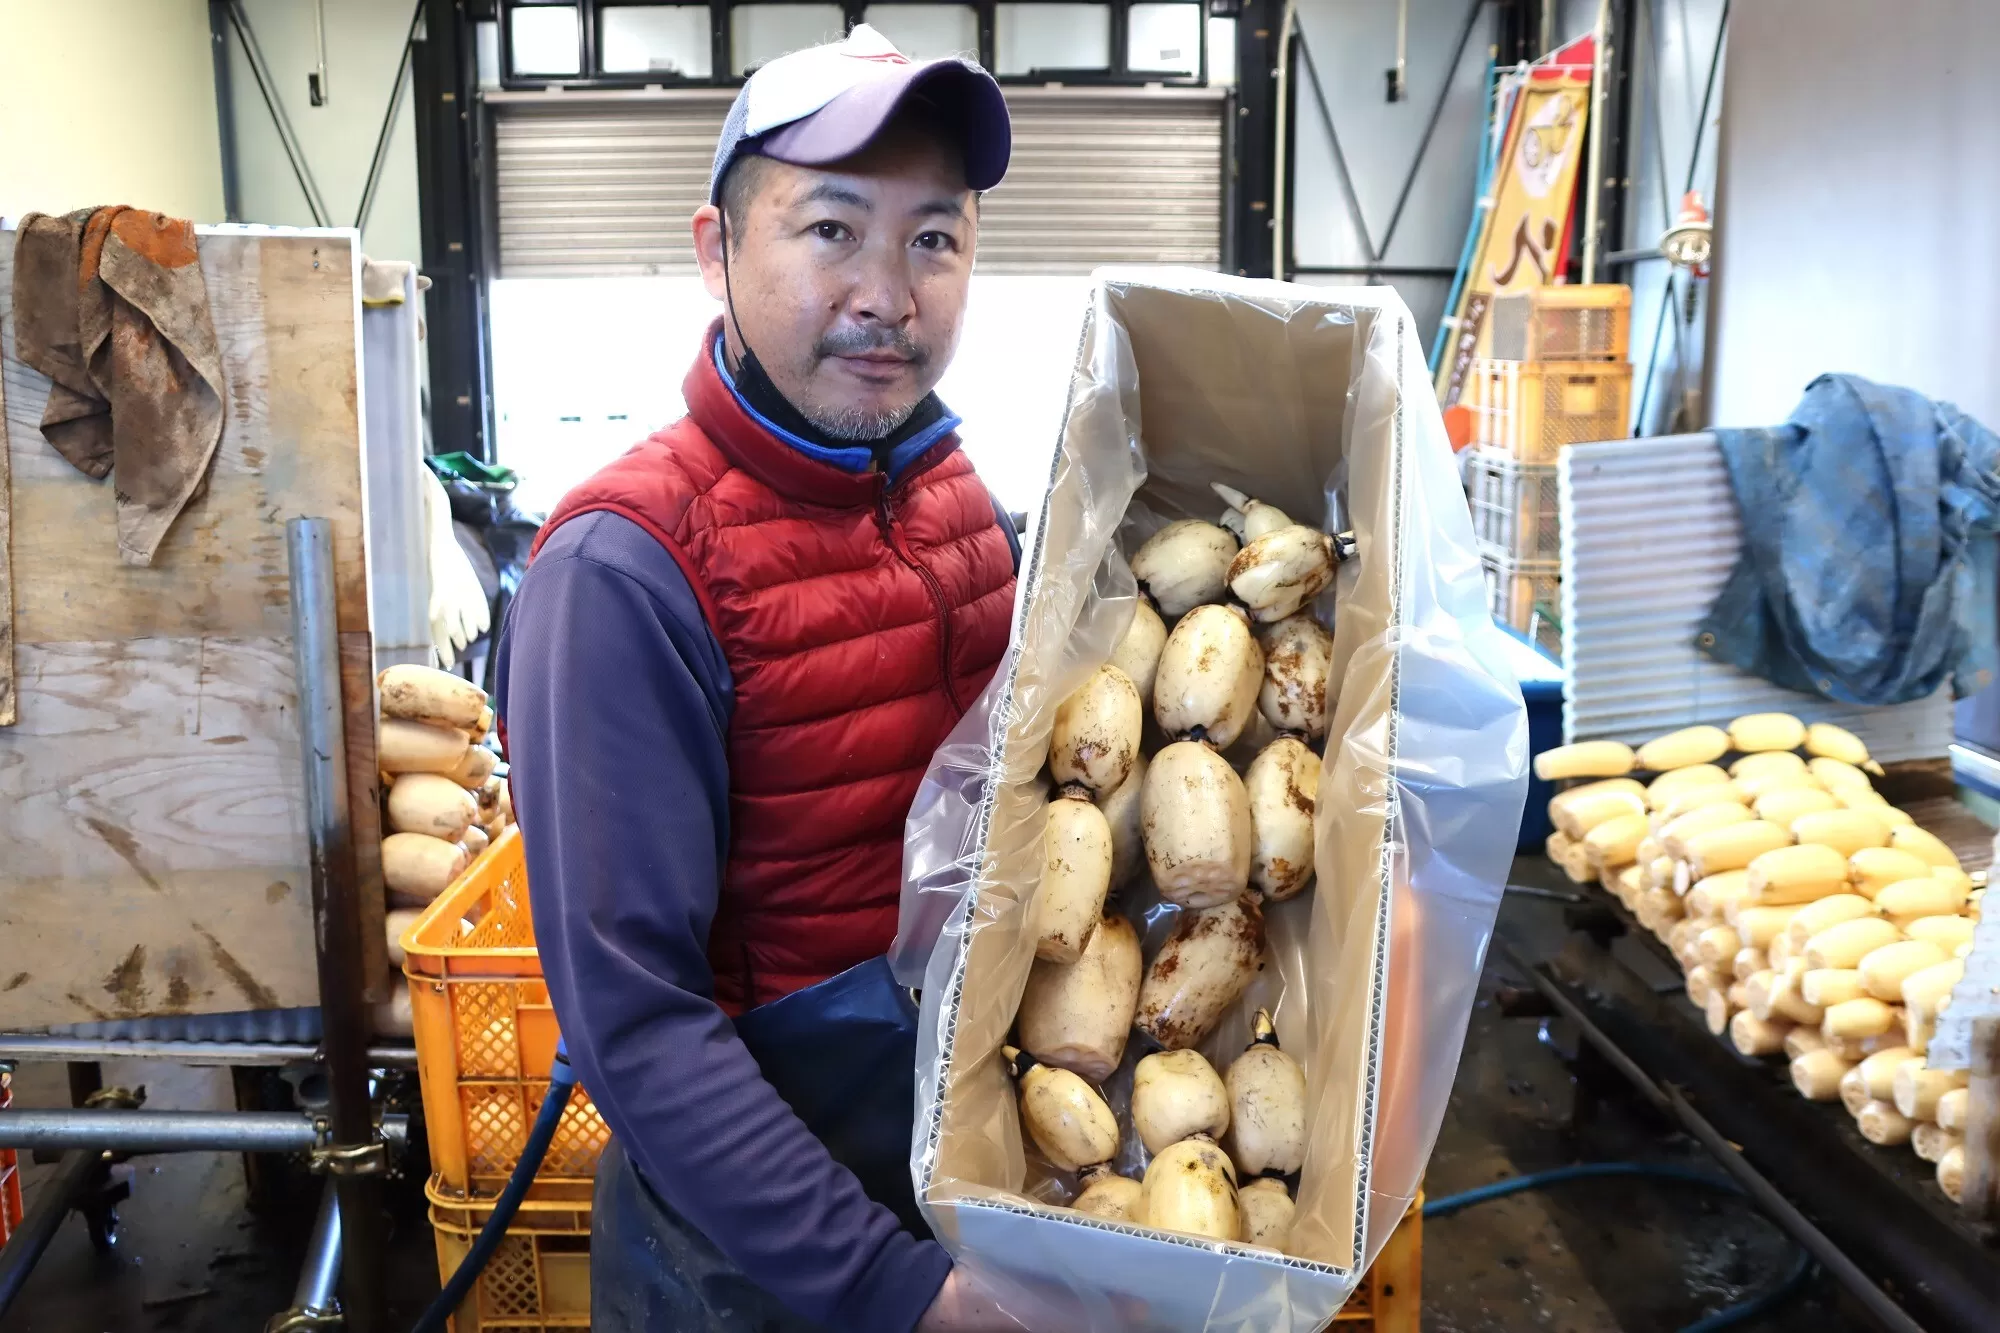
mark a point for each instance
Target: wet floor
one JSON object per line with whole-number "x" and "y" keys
{"x": 1644, "y": 1255}
{"x": 1594, "y": 1256}
{"x": 192, "y": 1252}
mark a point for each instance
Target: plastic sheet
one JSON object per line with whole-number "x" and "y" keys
{"x": 1315, "y": 400}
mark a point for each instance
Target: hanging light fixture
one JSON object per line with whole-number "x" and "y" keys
{"x": 1690, "y": 241}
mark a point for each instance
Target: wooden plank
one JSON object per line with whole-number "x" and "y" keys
{"x": 152, "y": 793}
{"x": 364, "y": 804}
{"x": 6, "y": 571}
{"x": 154, "y": 833}
{"x": 290, "y": 447}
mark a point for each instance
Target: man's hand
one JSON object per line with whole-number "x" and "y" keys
{"x": 966, "y": 1305}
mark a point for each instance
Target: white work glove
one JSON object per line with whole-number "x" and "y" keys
{"x": 459, "y": 613}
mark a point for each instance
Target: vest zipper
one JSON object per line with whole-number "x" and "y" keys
{"x": 892, "y": 534}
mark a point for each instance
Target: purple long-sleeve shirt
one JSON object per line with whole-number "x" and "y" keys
{"x": 617, "y": 700}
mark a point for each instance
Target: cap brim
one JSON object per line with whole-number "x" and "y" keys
{"x": 966, "y": 97}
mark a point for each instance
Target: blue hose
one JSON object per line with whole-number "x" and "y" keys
{"x": 1729, "y": 1315}
{"x": 1500, "y": 1189}
{"x": 561, "y": 1079}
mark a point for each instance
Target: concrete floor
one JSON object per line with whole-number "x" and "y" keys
{"x": 1586, "y": 1257}
{"x": 1589, "y": 1256}
{"x": 191, "y": 1251}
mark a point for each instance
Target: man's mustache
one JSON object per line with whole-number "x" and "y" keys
{"x": 877, "y": 338}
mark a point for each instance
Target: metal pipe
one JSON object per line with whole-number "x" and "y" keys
{"x": 1399, "y": 76}
{"x": 225, "y": 108}
{"x": 1668, "y": 1098}
{"x": 1353, "y": 197}
{"x": 1482, "y": 204}
{"x": 273, "y": 103}
{"x": 173, "y": 1131}
{"x": 319, "y": 1275}
{"x": 1375, "y": 270}
{"x": 53, "y": 1201}
{"x": 1430, "y": 125}
{"x": 381, "y": 157}
{"x": 316, "y": 85}
{"x": 336, "y": 912}
{"x": 1281, "y": 154}
{"x": 26, "y": 1047}
{"x": 1830, "y": 1256}
{"x": 1694, "y": 164}
{"x": 1600, "y": 68}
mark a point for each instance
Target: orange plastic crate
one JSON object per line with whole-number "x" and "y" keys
{"x": 1534, "y": 409}
{"x": 1390, "y": 1297}
{"x": 1564, "y": 323}
{"x": 538, "y": 1280}
{"x": 540, "y": 1276}
{"x": 482, "y": 1017}
{"x": 10, "y": 1172}
{"x": 486, "y": 1033}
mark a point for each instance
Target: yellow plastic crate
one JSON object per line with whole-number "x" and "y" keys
{"x": 1533, "y": 409}
{"x": 486, "y": 1033}
{"x": 540, "y": 1276}
{"x": 1390, "y": 1297}
{"x": 538, "y": 1280}
{"x": 1563, "y": 323}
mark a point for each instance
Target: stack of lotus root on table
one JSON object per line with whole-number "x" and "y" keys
{"x": 444, "y": 800}
{"x": 1813, "y": 921}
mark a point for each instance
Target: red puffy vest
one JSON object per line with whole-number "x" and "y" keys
{"x": 859, "y": 619}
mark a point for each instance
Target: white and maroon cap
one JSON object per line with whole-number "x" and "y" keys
{"x": 825, "y": 103}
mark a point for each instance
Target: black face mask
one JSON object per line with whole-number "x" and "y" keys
{"x": 757, "y": 389}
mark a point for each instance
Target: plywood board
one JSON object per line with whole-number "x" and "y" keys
{"x": 6, "y": 572}
{"x": 152, "y": 841}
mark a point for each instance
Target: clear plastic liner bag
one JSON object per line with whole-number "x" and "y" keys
{"x": 1315, "y": 400}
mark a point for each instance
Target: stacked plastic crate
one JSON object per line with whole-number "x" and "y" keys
{"x": 1559, "y": 376}
{"x": 10, "y": 1172}
{"x": 486, "y": 1036}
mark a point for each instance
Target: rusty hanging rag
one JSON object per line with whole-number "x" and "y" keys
{"x": 110, "y": 304}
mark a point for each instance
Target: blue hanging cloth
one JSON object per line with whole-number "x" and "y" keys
{"x": 1868, "y": 567}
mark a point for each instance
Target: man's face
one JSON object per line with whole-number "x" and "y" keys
{"x": 848, "y": 281}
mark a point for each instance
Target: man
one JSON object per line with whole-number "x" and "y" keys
{"x": 724, "y": 675}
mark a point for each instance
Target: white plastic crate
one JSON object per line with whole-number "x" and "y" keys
{"x": 1515, "y": 511}
{"x": 1528, "y": 596}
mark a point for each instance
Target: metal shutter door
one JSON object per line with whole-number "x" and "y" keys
{"x": 599, "y": 185}
{"x": 602, "y": 184}
{"x": 1107, "y": 176}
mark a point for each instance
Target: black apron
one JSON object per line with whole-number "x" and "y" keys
{"x": 843, "y": 1055}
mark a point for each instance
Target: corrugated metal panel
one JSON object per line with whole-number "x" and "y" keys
{"x": 601, "y": 186}
{"x": 1107, "y": 177}
{"x": 1649, "y": 534}
{"x": 597, "y": 185}
{"x": 283, "y": 1025}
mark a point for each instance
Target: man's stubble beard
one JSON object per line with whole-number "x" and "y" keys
{"x": 856, "y": 423}
{"x": 860, "y": 423}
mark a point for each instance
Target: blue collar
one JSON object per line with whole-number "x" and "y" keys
{"x": 850, "y": 458}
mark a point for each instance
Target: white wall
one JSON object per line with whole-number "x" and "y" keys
{"x": 364, "y": 40}
{"x": 108, "y": 102}
{"x": 1859, "y": 221}
{"x": 1352, "y": 43}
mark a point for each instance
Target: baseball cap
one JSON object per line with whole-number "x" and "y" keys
{"x": 825, "y": 103}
